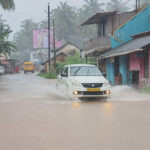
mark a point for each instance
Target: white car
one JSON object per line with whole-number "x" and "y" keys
{"x": 2, "y": 70}
{"x": 83, "y": 81}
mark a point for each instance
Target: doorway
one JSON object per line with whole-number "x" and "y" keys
{"x": 135, "y": 78}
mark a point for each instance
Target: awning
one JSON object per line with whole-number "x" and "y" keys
{"x": 127, "y": 48}
{"x": 94, "y": 51}
{"x": 95, "y": 19}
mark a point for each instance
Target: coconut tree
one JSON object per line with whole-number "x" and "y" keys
{"x": 91, "y": 7}
{"x": 6, "y": 46}
{"x": 65, "y": 21}
{"x": 7, "y": 4}
{"x": 116, "y": 5}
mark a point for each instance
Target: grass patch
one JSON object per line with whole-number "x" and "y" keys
{"x": 49, "y": 75}
{"x": 145, "y": 90}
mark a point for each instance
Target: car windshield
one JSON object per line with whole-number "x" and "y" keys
{"x": 84, "y": 71}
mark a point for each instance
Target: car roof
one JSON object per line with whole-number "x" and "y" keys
{"x": 75, "y": 65}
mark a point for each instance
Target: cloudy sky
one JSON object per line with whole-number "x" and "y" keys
{"x": 34, "y": 9}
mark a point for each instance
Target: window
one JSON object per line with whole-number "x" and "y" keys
{"x": 102, "y": 28}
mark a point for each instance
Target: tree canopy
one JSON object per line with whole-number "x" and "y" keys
{"x": 24, "y": 38}
{"x": 7, "y": 4}
{"x": 6, "y": 46}
{"x": 116, "y": 5}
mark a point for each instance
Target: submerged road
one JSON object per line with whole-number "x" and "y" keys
{"x": 34, "y": 116}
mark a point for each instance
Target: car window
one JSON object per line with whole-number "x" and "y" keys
{"x": 62, "y": 71}
{"x": 66, "y": 70}
{"x": 85, "y": 71}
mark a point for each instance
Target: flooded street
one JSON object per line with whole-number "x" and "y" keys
{"x": 34, "y": 116}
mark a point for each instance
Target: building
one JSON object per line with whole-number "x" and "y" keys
{"x": 68, "y": 49}
{"x": 107, "y": 23}
{"x": 128, "y": 60}
{"x": 8, "y": 63}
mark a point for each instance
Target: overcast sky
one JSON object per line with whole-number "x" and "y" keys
{"x": 34, "y": 9}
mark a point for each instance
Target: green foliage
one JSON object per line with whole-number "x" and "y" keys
{"x": 24, "y": 39}
{"x": 68, "y": 20}
{"x": 49, "y": 75}
{"x": 76, "y": 59}
{"x": 7, "y": 4}
{"x": 91, "y": 7}
{"x": 116, "y": 4}
{"x": 145, "y": 90}
{"x": 5, "y": 45}
{"x": 65, "y": 21}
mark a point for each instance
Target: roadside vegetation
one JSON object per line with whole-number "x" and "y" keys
{"x": 145, "y": 90}
{"x": 76, "y": 59}
{"x": 6, "y": 46}
{"x": 49, "y": 75}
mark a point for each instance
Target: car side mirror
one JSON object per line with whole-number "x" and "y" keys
{"x": 104, "y": 74}
{"x": 64, "y": 74}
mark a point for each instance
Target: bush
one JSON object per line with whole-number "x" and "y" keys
{"x": 76, "y": 59}
{"x": 145, "y": 90}
{"x": 49, "y": 75}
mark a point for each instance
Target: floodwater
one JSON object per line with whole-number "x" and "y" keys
{"x": 34, "y": 116}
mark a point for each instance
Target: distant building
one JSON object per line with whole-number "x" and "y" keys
{"x": 39, "y": 56}
{"x": 68, "y": 49}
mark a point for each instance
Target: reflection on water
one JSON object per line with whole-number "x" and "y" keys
{"x": 76, "y": 104}
{"x": 108, "y": 106}
{"x": 34, "y": 118}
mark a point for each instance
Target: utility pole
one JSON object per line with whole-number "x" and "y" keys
{"x": 49, "y": 46}
{"x": 54, "y": 43}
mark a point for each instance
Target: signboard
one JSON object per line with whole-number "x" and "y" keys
{"x": 40, "y": 39}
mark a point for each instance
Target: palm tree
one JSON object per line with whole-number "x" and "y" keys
{"x": 24, "y": 38}
{"x": 65, "y": 21}
{"x": 7, "y": 4}
{"x": 5, "y": 45}
{"x": 116, "y": 5}
{"x": 92, "y": 6}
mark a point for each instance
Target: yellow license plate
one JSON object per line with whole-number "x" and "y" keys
{"x": 93, "y": 89}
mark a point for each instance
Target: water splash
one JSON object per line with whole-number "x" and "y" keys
{"x": 126, "y": 93}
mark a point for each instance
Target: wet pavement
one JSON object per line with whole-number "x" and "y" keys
{"x": 34, "y": 116}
